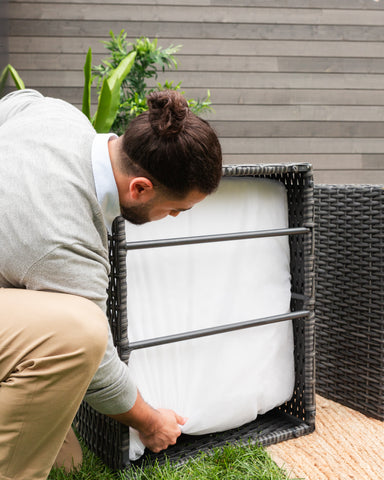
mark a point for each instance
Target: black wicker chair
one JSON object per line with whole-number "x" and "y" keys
{"x": 110, "y": 440}
{"x": 350, "y": 295}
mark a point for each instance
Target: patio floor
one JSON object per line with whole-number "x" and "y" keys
{"x": 346, "y": 445}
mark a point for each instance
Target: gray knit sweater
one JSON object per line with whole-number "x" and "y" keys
{"x": 52, "y": 230}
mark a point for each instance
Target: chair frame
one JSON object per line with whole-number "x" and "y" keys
{"x": 110, "y": 440}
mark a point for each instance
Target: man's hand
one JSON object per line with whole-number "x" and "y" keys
{"x": 157, "y": 428}
{"x": 164, "y": 432}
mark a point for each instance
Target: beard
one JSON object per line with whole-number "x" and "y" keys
{"x": 136, "y": 214}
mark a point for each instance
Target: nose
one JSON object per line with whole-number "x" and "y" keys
{"x": 174, "y": 214}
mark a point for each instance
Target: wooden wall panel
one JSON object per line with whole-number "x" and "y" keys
{"x": 197, "y": 13}
{"x": 290, "y": 80}
{"x": 3, "y": 33}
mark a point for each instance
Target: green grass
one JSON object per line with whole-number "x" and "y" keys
{"x": 232, "y": 462}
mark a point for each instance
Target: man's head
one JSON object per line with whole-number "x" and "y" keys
{"x": 172, "y": 156}
{"x": 149, "y": 205}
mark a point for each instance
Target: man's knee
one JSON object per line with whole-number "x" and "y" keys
{"x": 63, "y": 329}
{"x": 86, "y": 329}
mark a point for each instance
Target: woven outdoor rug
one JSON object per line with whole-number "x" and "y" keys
{"x": 346, "y": 445}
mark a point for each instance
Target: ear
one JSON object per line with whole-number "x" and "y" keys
{"x": 141, "y": 189}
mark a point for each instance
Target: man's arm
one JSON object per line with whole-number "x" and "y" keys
{"x": 157, "y": 428}
{"x": 112, "y": 388}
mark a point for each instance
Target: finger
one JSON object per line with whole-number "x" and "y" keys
{"x": 180, "y": 420}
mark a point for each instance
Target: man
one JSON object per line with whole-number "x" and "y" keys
{"x": 56, "y": 178}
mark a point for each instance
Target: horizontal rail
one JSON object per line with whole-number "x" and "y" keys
{"x": 179, "y": 337}
{"x": 215, "y": 238}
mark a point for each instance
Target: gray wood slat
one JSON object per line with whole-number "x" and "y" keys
{"x": 214, "y": 63}
{"x": 289, "y": 129}
{"x": 228, "y": 96}
{"x": 319, "y": 161}
{"x": 319, "y": 4}
{"x": 200, "y": 30}
{"x": 224, "y": 80}
{"x": 242, "y": 48}
{"x": 186, "y": 13}
{"x": 289, "y": 113}
{"x": 239, "y": 146}
{"x": 369, "y": 177}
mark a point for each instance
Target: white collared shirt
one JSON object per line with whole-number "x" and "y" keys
{"x": 106, "y": 189}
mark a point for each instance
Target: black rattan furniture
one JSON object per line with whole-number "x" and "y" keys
{"x": 110, "y": 440}
{"x": 350, "y": 296}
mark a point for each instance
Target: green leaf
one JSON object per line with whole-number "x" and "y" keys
{"x": 109, "y": 98}
{"x": 87, "y": 85}
{"x": 16, "y": 78}
{"x": 3, "y": 78}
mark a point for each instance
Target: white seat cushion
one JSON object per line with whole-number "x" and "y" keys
{"x": 223, "y": 381}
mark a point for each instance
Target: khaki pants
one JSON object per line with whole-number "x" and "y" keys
{"x": 50, "y": 347}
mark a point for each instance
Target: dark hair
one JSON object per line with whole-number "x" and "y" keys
{"x": 173, "y": 146}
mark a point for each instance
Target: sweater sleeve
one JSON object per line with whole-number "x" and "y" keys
{"x": 79, "y": 270}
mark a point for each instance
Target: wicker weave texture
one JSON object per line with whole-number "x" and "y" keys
{"x": 110, "y": 440}
{"x": 349, "y": 296}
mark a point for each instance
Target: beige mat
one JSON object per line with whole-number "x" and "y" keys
{"x": 345, "y": 446}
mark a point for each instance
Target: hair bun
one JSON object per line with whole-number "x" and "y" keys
{"x": 167, "y": 112}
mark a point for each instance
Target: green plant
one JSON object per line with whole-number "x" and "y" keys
{"x": 196, "y": 106}
{"x": 16, "y": 78}
{"x": 231, "y": 462}
{"x": 134, "y": 89}
{"x": 109, "y": 94}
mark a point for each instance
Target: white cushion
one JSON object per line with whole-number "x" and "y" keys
{"x": 223, "y": 381}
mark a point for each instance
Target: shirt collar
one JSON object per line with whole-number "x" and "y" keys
{"x": 106, "y": 189}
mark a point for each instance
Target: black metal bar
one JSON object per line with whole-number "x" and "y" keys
{"x": 215, "y": 238}
{"x": 179, "y": 337}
